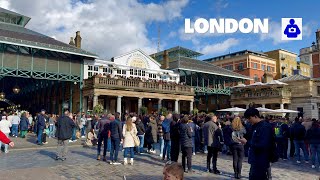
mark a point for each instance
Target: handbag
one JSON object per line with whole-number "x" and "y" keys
{"x": 136, "y": 140}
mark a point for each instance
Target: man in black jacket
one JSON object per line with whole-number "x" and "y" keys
{"x": 260, "y": 145}
{"x": 298, "y": 133}
{"x": 116, "y": 137}
{"x": 64, "y": 132}
{"x": 41, "y": 125}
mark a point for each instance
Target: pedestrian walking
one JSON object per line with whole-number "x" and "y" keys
{"x": 63, "y": 133}
{"x": 41, "y": 125}
{"x": 24, "y": 125}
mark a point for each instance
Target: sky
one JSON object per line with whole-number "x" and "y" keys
{"x": 112, "y": 27}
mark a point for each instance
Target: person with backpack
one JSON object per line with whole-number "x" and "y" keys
{"x": 261, "y": 151}
{"x": 282, "y": 134}
{"x": 166, "y": 137}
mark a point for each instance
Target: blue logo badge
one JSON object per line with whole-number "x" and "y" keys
{"x": 291, "y": 29}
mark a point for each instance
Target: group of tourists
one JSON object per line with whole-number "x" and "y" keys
{"x": 262, "y": 140}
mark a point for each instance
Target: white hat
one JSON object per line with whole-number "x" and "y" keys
{"x": 134, "y": 119}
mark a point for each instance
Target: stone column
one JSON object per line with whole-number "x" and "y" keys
{"x": 281, "y": 106}
{"x": 263, "y": 106}
{"x": 139, "y": 104}
{"x": 85, "y": 104}
{"x": 159, "y": 104}
{"x": 191, "y": 106}
{"x": 176, "y": 106}
{"x": 119, "y": 104}
{"x": 95, "y": 100}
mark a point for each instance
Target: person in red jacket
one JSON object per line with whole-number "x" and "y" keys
{"x": 5, "y": 139}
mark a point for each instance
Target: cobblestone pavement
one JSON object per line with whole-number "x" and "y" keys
{"x": 81, "y": 164}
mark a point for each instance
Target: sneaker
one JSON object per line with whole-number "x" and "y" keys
{"x": 57, "y": 158}
{"x": 111, "y": 162}
{"x": 194, "y": 154}
{"x": 298, "y": 162}
{"x": 313, "y": 166}
{"x": 217, "y": 172}
{"x": 45, "y": 143}
{"x": 70, "y": 141}
{"x": 307, "y": 162}
{"x": 75, "y": 141}
{"x": 206, "y": 152}
{"x": 116, "y": 163}
{"x": 98, "y": 157}
{"x": 83, "y": 137}
{"x": 160, "y": 155}
{"x": 63, "y": 159}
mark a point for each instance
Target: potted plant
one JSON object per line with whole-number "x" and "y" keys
{"x": 163, "y": 111}
{"x": 98, "y": 109}
{"x": 143, "y": 110}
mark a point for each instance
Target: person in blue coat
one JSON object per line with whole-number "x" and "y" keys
{"x": 41, "y": 125}
{"x": 24, "y": 125}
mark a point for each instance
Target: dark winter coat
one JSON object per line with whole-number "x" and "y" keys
{"x": 313, "y": 135}
{"x": 260, "y": 144}
{"x": 116, "y": 129}
{"x": 174, "y": 132}
{"x": 151, "y": 132}
{"x": 64, "y": 128}
{"x": 24, "y": 123}
{"x": 140, "y": 127}
{"x": 298, "y": 131}
{"x": 41, "y": 123}
{"x": 185, "y": 135}
{"x": 227, "y": 135}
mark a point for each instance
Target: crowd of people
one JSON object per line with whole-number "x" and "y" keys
{"x": 262, "y": 139}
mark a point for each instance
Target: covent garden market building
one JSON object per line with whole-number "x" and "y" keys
{"x": 39, "y": 72}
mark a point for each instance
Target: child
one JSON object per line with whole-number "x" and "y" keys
{"x": 173, "y": 171}
{"x": 91, "y": 140}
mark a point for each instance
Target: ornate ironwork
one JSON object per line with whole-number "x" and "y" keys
{"x": 225, "y": 91}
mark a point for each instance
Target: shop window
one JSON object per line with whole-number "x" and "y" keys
{"x": 90, "y": 68}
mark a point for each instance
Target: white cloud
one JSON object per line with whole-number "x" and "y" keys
{"x": 275, "y": 32}
{"x": 108, "y": 28}
{"x": 221, "y": 47}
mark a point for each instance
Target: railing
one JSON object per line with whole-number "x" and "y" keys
{"x": 112, "y": 83}
{"x": 261, "y": 94}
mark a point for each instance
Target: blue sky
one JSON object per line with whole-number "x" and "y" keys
{"x": 171, "y": 34}
{"x": 113, "y": 27}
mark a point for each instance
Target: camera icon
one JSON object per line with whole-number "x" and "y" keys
{"x": 292, "y": 30}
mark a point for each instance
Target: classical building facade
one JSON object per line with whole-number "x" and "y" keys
{"x": 126, "y": 83}
{"x": 300, "y": 93}
{"x": 212, "y": 84}
{"x": 248, "y": 63}
{"x": 311, "y": 56}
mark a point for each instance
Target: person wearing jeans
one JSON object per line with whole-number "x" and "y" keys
{"x": 166, "y": 137}
{"x": 41, "y": 125}
{"x": 116, "y": 137}
{"x": 103, "y": 126}
{"x": 298, "y": 133}
{"x": 141, "y": 133}
{"x": 312, "y": 138}
{"x": 160, "y": 135}
{"x": 5, "y": 129}
{"x": 129, "y": 131}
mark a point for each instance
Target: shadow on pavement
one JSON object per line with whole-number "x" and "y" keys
{"x": 48, "y": 153}
{"x": 85, "y": 154}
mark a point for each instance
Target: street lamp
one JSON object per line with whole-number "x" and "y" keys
{"x": 16, "y": 89}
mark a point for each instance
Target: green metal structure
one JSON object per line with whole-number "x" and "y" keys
{"x": 38, "y": 64}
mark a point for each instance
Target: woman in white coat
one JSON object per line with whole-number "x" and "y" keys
{"x": 5, "y": 128}
{"x": 129, "y": 130}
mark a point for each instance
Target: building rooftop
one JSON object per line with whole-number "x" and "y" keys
{"x": 177, "y": 51}
{"x": 16, "y": 34}
{"x": 282, "y": 50}
{"x": 11, "y": 17}
{"x": 294, "y": 78}
{"x": 234, "y": 54}
{"x": 195, "y": 65}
